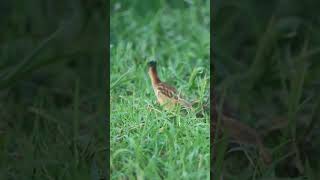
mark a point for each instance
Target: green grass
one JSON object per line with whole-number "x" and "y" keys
{"x": 148, "y": 142}
{"x": 267, "y": 61}
{"x": 52, "y": 95}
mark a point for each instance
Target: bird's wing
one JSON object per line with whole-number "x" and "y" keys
{"x": 172, "y": 93}
{"x": 167, "y": 91}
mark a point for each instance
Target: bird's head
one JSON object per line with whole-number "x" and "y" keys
{"x": 152, "y": 63}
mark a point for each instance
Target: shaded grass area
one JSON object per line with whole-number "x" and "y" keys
{"x": 266, "y": 61}
{"x": 146, "y": 141}
{"x": 52, "y": 97}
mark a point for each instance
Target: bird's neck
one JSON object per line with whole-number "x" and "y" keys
{"x": 154, "y": 75}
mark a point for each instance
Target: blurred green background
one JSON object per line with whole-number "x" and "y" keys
{"x": 146, "y": 141}
{"x": 266, "y": 60}
{"x": 52, "y": 89}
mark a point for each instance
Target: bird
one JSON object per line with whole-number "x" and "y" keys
{"x": 167, "y": 95}
{"x": 237, "y": 130}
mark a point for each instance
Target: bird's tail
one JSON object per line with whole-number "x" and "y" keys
{"x": 185, "y": 103}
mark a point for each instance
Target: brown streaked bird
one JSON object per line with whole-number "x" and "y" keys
{"x": 237, "y": 130}
{"x": 167, "y": 95}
